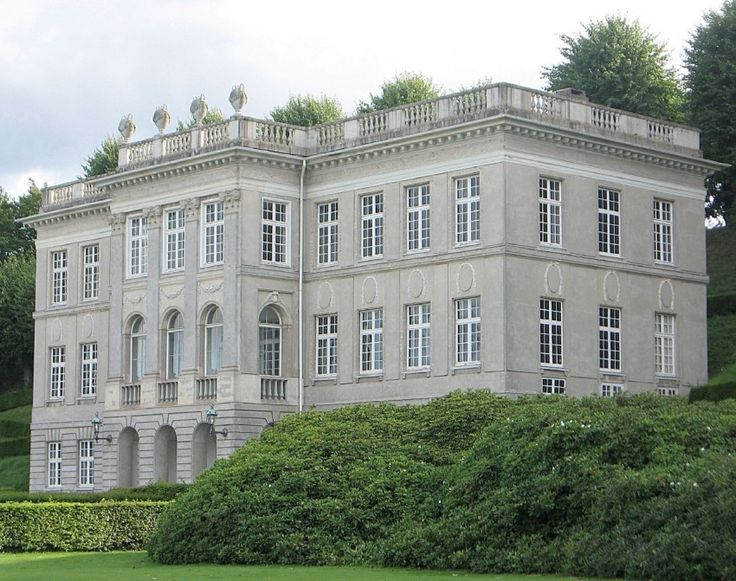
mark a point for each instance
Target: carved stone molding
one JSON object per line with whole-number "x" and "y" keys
{"x": 117, "y": 223}
{"x": 191, "y": 208}
{"x": 171, "y": 295}
{"x": 153, "y": 215}
{"x": 230, "y": 200}
{"x": 210, "y": 288}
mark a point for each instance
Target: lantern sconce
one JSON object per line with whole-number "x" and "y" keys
{"x": 96, "y": 425}
{"x": 211, "y": 416}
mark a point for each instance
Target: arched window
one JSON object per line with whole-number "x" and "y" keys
{"x": 212, "y": 340}
{"x": 137, "y": 349}
{"x": 174, "y": 334}
{"x": 128, "y": 458}
{"x": 165, "y": 455}
{"x": 269, "y": 342}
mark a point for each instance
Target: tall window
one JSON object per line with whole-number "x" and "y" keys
{"x": 137, "y": 349}
{"x": 467, "y": 331}
{"x": 174, "y": 336}
{"x": 371, "y": 340}
{"x": 89, "y": 369}
{"x": 550, "y": 212}
{"x": 417, "y": 218}
{"x": 662, "y": 216}
{"x": 54, "y": 464}
{"x": 91, "y": 272}
{"x": 269, "y": 342}
{"x": 418, "y": 336}
{"x": 467, "y": 210}
{"x": 326, "y": 345}
{"x": 611, "y": 389}
{"x": 553, "y": 386}
{"x": 274, "y": 229}
{"x": 664, "y": 343}
{"x": 86, "y": 463}
{"x": 372, "y": 225}
{"x": 137, "y": 246}
{"x": 213, "y": 230}
{"x": 609, "y": 222}
{"x": 174, "y": 240}
{"x": 327, "y": 234}
{"x": 212, "y": 341}
{"x": 550, "y": 332}
{"x": 59, "y": 277}
{"x": 609, "y": 339}
{"x": 58, "y": 372}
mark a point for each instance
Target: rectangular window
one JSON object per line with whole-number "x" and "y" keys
{"x": 467, "y": 331}
{"x": 609, "y": 339}
{"x": 54, "y": 464}
{"x": 137, "y": 246}
{"x": 550, "y": 212}
{"x": 667, "y": 391}
{"x": 213, "y": 233}
{"x": 553, "y": 386}
{"x": 59, "y": 277}
{"x": 86, "y": 463}
{"x": 326, "y": 345}
{"x": 611, "y": 389}
{"x": 467, "y": 210}
{"x": 89, "y": 369}
{"x": 174, "y": 240}
{"x": 58, "y": 372}
{"x": 662, "y": 231}
{"x": 609, "y": 222}
{"x": 417, "y": 218}
{"x": 91, "y": 272}
{"x": 371, "y": 341}
{"x": 274, "y": 230}
{"x": 418, "y": 336}
{"x": 550, "y": 332}
{"x": 372, "y": 225}
{"x": 664, "y": 343}
{"x": 327, "y": 233}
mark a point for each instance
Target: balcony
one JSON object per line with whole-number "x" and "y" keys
{"x": 273, "y": 388}
{"x": 130, "y": 395}
{"x": 168, "y": 392}
{"x": 206, "y": 388}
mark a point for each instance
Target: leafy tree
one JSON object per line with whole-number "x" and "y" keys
{"x": 104, "y": 159}
{"x": 403, "y": 89}
{"x": 307, "y": 110}
{"x": 15, "y": 238}
{"x": 17, "y": 298}
{"x": 214, "y": 115}
{"x": 619, "y": 64}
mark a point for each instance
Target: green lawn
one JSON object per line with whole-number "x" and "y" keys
{"x": 134, "y": 565}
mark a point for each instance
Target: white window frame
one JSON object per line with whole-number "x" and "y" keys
{"x": 86, "y": 463}
{"x": 467, "y": 210}
{"x": 662, "y": 214}
{"x": 89, "y": 354}
{"x": 269, "y": 344}
{"x": 59, "y": 277}
{"x": 611, "y": 389}
{"x": 213, "y": 233}
{"x": 551, "y": 326}
{"x": 327, "y": 232}
{"x": 609, "y": 339}
{"x": 326, "y": 341}
{"x": 664, "y": 344}
{"x": 90, "y": 272}
{"x": 57, "y": 371}
{"x": 418, "y": 336}
{"x": 550, "y": 212}
{"x": 137, "y": 246}
{"x": 418, "y": 217}
{"x": 275, "y": 232}
{"x": 371, "y": 226}
{"x": 54, "y": 464}
{"x": 554, "y": 386}
{"x": 174, "y": 249}
{"x": 137, "y": 363}
{"x": 174, "y": 345}
{"x": 213, "y": 341}
{"x": 668, "y": 391}
{"x": 371, "y": 341}
{"x": 609, "y": 222}
{"x": 467, "y": 332}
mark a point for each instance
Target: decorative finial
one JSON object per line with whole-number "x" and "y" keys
{"x": 238, "y": 98}
{"x": 161, "y": 118}
{"x": 198, "y": 109}
{"x": 126, "y": 127}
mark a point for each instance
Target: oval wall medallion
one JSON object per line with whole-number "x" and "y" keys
{"x": 465, "y": 277}
{"x": 369, "y": 290}
{"x": 324, "y": 295}
{"x": 416, "y": 284}
{"x": 666, "y": 295}
{"x": 611, "y": 287}
{"x": 88, "y": 326}
{"x": 56, "y": 330}
{"x": 553, "y": 278}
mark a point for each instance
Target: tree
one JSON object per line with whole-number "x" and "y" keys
{"x": 307, "y": 110}
{"x": 104, "y": 159}
{"x": 711, "y": 100}
{"x": 619, "y": 64}
{"x": 15, "y": 238}
{"x": 213, "y": 115}
{"x": 17, "y": 298}
{"x": 403, "y": 89}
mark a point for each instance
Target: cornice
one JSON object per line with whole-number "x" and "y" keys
{"x": 67, "y": 213}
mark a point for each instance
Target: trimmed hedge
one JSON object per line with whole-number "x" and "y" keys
{"x": 160, "y": 491}
{"x": 14, "y": 447}
{"x": 14, "y": 429}
{"x": 69, "y": 526}
{"x": 16, "y": 398}
{"x": 721, "y": 305}
{"x": 713, "y": 392}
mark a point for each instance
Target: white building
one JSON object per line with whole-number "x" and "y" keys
{"x": 501, "y": 238}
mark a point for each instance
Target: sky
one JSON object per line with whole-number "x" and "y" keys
{"x": 69, "y": 70}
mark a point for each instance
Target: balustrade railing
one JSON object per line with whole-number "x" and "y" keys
{"x": 273, "y": 388}
{"x": 130, "y": 395}
{"x": 215, "y": 134}
{"x": 420, "y": 113}
{"x": 140, "y": 152}
{"x": 605, "y": 118}
{"x": 168, "y": 391}
{"x": 470, "y": 102}
{"x": 660, "y": 131}
{"x": 206, "y": 388}
{"x": 330, "y": 133}
{"x": 177, "y": 143}
{"x": 544, "y": 104}
{"x": 373, "y": 124}
{"x": 274, "y": 133}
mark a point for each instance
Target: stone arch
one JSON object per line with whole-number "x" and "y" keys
{"x": 165, "y": 455}
{"x": 128, "y": 458}
{"x": 204, "y": 449}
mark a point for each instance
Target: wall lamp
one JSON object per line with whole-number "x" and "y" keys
{"x": 211, "y": 416}
{"x": 96, "y": 425}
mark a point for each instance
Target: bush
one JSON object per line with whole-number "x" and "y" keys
{"x": 14, "y": 447}
{"x": 15, "y": 398}
{"x": 714, "y": 392}
{"x": 160, "y": 491}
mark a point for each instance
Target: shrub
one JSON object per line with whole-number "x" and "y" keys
{"x": 14, "y": 447}
{"x": 714, "y": 392}
{"x": 160, "y": 491}
{"x": 15, "y": 398}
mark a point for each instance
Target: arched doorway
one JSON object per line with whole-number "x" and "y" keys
{"x": 204, "y": 449}
{"x": 128, "y": 458}
{"x": 165, "y": 455}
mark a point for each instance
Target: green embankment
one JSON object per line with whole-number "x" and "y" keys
{"x": 15, "y": 422}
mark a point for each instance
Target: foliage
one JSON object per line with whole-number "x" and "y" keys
{"x": 214, "y": 115}
{"x": 619, "y": 64}
{"x": 308, "y": 110}
{"x": 14, "y": 473}
{"x": 10, "y": 447}
{"x": 15, "y": 238}
{"x": 17, "y": 300}
{"x": 721, "y": 342}
{"x": 715, "y": 392}
{"x": 104, "y": 159}
{"x": 14, "y": 398}
{"x": 403, "y": 89}
{"x": 160, "y": 491}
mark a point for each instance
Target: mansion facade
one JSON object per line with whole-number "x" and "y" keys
{"x": 501, "y": 238}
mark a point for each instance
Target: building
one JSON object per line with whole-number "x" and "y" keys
{"x": 501, "y": 238}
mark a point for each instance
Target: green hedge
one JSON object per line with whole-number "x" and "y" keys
{"x": 15, "y": 398}
{"x": 713, "y": 392}
{"x": 160, "y": 491}
{"x": 14, "y": 429}
{"x": 14, "y": 447}
{"x": 721, "y": 305}
{"x": 55, "y": 526}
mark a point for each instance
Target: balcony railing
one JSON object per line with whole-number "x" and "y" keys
{"x": 273, "y": 388}
{"x": 130, "y": 395}
{"x": 206, "y": 388}
{"x": 168, "y": 391}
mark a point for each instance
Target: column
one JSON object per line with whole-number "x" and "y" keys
{"x": 230, "y": 291}
{"x": 153, "y": 336}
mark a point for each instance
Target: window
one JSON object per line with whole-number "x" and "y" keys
{"x": 174, "y": 336}
{"x": 467, "y": 210}
{"x": 372, "y": 225}
{"x": 327, "y": 234}
{"x": 212, "y": 341}
{"x": 89, "y": 369}
{"x": 417, "y": 218}
{"x": 418, "y": 336}
{"x": 137, "y": 349}
{"x": 137, "y": 246}
{"x": 269, "y": 341}
{"x": 91, "y": 272}
{"x": 371, "y": 341}
{"x": 664, "y": 343}
{"x": 467, "y": 331}
{"x": 662, "y": 231}
{"x": 59, "y": 274}
{"x": 550, "y": 332}
{"x": 54, "y": 464}
{"x": 667, "y": 391}
{"x": 174, "y": 241}
{"x": 611, "y": 389}
{"x": 274, "y": 230}
{"x": 553, "y": 386}
{"x": 86, "y": 463}
{"x": 550, "y": 212}
{"x": 58, "y": 372}
{"x": 213, "y": 228}
{"x": 326, "y": 345}
{"x": 609, "y": 339}
{"x": 609, "y": 222}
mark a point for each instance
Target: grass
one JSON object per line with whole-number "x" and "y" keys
{"x": 132, "y": 565}
{"x": 14, "y": 472}
{"x": 19, "y": 414}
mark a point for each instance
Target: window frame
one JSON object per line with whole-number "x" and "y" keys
{"x": 137, "y": 339}
{"x": 554, "y": 386}
{"x": 174, "y": 345}
{"x": 421, "y": 333}
{"x": 547, "y": 205}
{"x": 608, "y": 389}
{"x": 53, "y": 464}
{"x": 328, "y": 233}
{"x": 471, "y": 209}
{"x": 373, "y": 223}
{"x": 91, "y": 272}
{"x": 370, "y": 324}
{"x": 275, "y": 226}
{"x": 665, "y": 340}
{"x": 137, "y": 242}
{"x": 547, "y": 326}
{"x": 174, "y": 241}
{"x": 275, "y": 342}
{"x": 213, "y": 252}
{"x": 473, "y": 329}
{"x": 609, "y": 222}
{"x": 57, "y": 372}
{"x": 212, "y": 330}
{"x": 89, "y": 353}
{"x": 663, "y": 231}
{"x": 610, "y": 340}
{"x": 328, "y": 342}
{"x": 86, "y": 452}
{"x": 418, "y": 218}
{"x": 59, "y": 277}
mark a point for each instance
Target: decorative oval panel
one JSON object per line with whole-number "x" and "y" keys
{"x": 369, "y": 291}
{"x": 666, "y": 295}
{"x": 611, "y": 287}
{"x": 324, "y": 295}
{"x": 416, "y": 284}
{"x": 553, "y": 278}
{"x": 465, "y": 277}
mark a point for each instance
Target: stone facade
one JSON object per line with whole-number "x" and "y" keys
{"x": 501, "y": 238}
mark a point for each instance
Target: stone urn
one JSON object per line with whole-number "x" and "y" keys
{"x": 198, "y": 109}
{"x": 161, "y": 118}
{"x": 238, "y": 98}
{"x": 126, "y": 127}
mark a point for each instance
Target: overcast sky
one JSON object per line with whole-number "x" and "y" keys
{"x": 70, "y": 69}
